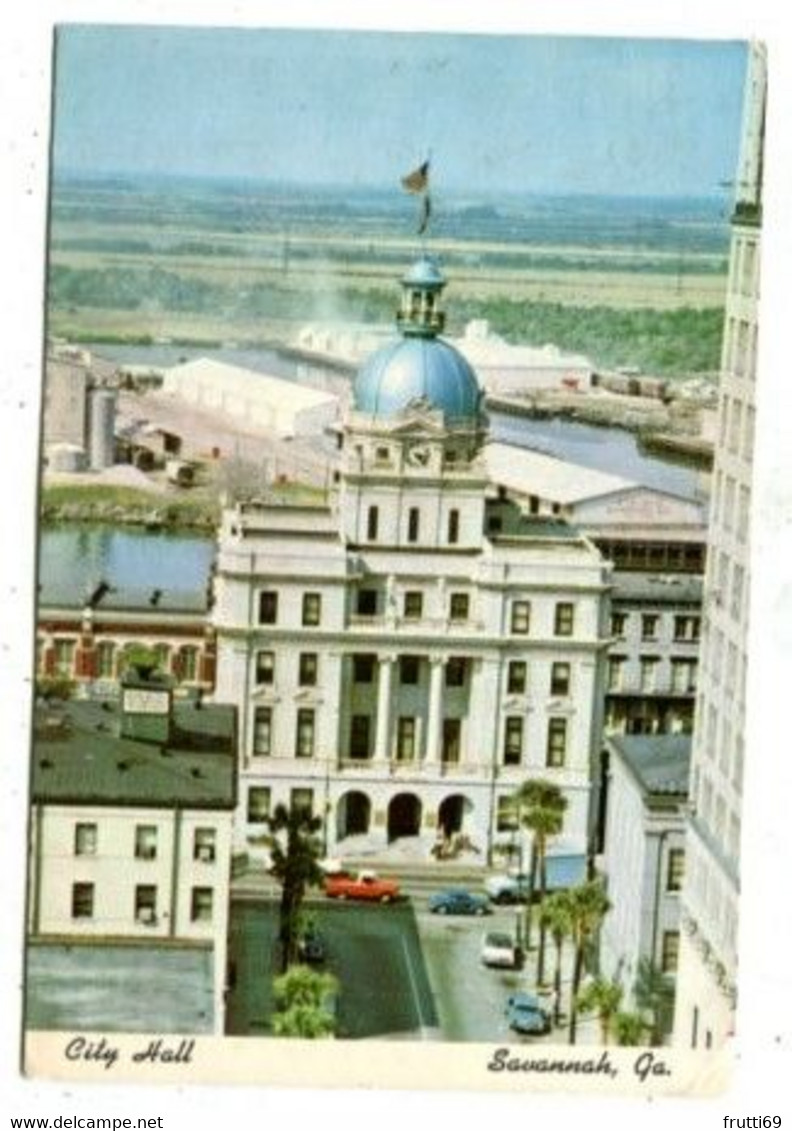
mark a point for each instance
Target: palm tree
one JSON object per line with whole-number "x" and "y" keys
{"x": 629, "y": 1028}
{"x": 588, "y": 905}
{"x": 654, "y": 994}
{"x": 556, "y": 915}
{"x": 602, "y": 997}
{"x": 295, "y": 849}
{"x": 541, "y": 806}
{"x": 304, "y": 998}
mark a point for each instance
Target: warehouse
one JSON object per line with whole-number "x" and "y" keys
{"x": 262, "y": 401}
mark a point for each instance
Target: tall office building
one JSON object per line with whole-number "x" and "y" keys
{"x": 706, "y": 982}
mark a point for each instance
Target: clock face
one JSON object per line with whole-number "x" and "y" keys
{"x": 419, "y": 456}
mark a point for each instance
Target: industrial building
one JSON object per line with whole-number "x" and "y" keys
{"x": 260, "y": 401}
{"x": 406, "y": 656}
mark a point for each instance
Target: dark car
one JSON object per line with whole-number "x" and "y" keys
{"x": 525, "y": 1014}
{"x": 311, "y": 948}
{"x": 458, "y": 902}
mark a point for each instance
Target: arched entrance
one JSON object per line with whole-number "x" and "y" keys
{"x": 453, "y": 816}
{"x": 404, "y": 816}
{"x": 353, "y": 814}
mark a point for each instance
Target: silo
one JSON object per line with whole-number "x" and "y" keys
{"x": 101, "y": 429}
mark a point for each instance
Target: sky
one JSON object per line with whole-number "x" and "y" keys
{"x": 496, "y": 113}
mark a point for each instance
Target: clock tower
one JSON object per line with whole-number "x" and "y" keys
{"x": 412, "y": 473}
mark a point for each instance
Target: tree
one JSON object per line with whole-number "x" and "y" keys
{"x": 629, "y": 1028}
{"x": 541, "y": 806}
{"x": 588, "y": 906}
{"x": 557, "y": 917}
{"x": 305, "y": 1000}
{"x": 654, "y": 995}
{"x": 604, "y": 998}
{"x": 295, "y": 850}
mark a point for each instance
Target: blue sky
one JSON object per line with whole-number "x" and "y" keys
{"x": 499, "y": 113}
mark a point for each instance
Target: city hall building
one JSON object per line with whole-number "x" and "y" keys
{"x": 405, "y": 656}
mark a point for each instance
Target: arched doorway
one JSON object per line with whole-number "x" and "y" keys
{"x": 353, "y": 814}
{"x": 453, "y": 816}
{"x": 404, "y": 816}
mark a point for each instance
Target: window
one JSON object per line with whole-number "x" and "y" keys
{"x": 64, "y": 657}
{"x": 258, "y": 804}
{"x": 513, "y": 741}
{"x": 409, "y": 669}
{"x": 649, "y": 623}
{"x": 413, "y": 605}
{"x": 367, "y": 602}
{"x": 304, "y": 743}
{"x": 459, "y": 606}
{"x": 146, "y": 903}
{"x": 82, "y": 904}
{"x": 105, "y": 659}
{"x": 618, "y": 625}
{"x": 521, "y": 617}
{"x": 205, "y": 845}
{"x": 146, "y": 842}
{"x": 382, "y": 455}
{"x": 162, "y": 653}
{"x": 359, "y": 731}
{"x": 453, "y": 526}
{"x": 265, "y": 667}
{"x": 262, "y": 732}
{"x": 268, "y": 607}
{"x": 670, "y": 956}
{"x": 201, "y": 901}
{"x": 683, "y": 676}
{"x": 556, "y": 742}
{"x": 564, "y": 619}
{"x": 405, "y": 739}
{"x": 676, "y": 869}
{"x": 362, "y": 669}
{"x": 85, "y": 839}
{"x": 689, "y": 627}
{"x": 560, "y": 675}
{"x": 301, "y": 801}
{"x": 517, "y": 678}
{"x": 372, "y": 524}
{"x": 309, "y": 666}
{"x": 455, "y": 671}
{"x": 615, "y": 672}
{"x": 649, "y": 666}
{"x": 188, "y": 664}
{"x": 311, "y": 609}
{"x": 413, "y": 524}
{"x": 452, "y": 741}
{"x": 506, "y": 820}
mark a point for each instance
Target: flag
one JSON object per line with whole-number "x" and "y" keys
{"x": 418, "y": 180}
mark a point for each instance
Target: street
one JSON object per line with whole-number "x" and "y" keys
{"x": 403, "y": 971}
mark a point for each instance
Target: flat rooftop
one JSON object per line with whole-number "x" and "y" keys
{"x": 80, "y": 758}
{"x": 659, "y": 762}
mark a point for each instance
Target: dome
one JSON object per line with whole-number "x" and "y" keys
{"x": 411, "y": 369}
{"x": 424, "y": 273}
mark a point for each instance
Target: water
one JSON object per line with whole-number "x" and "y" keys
{"x": 135, "y": 559}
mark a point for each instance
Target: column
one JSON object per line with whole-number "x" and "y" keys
{"x": 434, "y": 730}
{"x": 382, "y": 737}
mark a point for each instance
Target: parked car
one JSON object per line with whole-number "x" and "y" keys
{"x": 524, "y": 1014}
{"x": 457, "y": 901}
{"x": 365, "y": 885}
{"x": 501, "y": 949}
{"x": 563, "y": 871}
{"x": 311, "y": 947}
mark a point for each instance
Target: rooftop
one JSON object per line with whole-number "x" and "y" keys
{"x": 527, "y": 471}
{"x": 79, "y": 758}
{"x": 244, "y": 381}
{"x": 660, "y": 762}
{"x": 664, "y": 588}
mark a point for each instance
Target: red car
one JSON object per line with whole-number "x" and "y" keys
{"x": 366, "y": 885}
